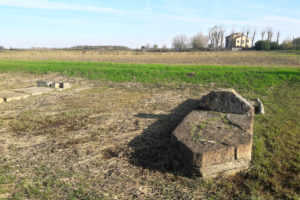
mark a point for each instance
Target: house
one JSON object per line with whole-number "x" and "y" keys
{"x": 237, "y": 40}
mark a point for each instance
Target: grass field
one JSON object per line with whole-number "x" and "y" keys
{"x": 109, "y": 136}
{"x": 229, "y": 58}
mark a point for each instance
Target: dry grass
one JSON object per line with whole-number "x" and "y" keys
{"x": 74, "y": 143}
{"x": 107, "y": 140}
{"x": 244, "y": 58}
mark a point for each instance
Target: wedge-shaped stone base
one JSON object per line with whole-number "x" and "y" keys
{"x": 227, "y": 168}
{"x": 17, "y": 94}
{"x": 34, "y": 90}
{"x": 8, "y": 96}
{"x": 217, "y": 142}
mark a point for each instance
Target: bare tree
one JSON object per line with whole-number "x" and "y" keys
{"x": 270, "y": 33}
{"x": 253, "y": 36}
{"x": 199, "y": 41}
{"x": 231, "y": 36}
{"x": 222, "y": 31}
{"x": 164, "y": 47}
{"x": 216, "y": 36}
{"x": 179, "y": 42}
{"x": 211, "y": 36}
{"x": 248, "y": 29}
{"x": 263, "y": 34}
{"x": 278, "y": 34}
{"x": 242, "y": 31}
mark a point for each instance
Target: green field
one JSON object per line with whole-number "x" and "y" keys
{"x": 275, "y": 167}
{"x": 256, "y": 78}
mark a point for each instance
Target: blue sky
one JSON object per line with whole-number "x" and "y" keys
{"x": 65, "y": 23}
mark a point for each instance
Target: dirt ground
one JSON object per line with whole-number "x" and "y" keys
{"x": 96, "y": 140}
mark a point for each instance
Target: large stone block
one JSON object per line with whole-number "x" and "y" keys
{"x": 225, "y": 100}
{"x": 44, "y": 83}
{"x": 54, "y": 85}
{"x": 217, "y": 139}
{"x": 65, "y": 85}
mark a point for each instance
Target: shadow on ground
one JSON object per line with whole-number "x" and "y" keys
{"x": 155, "y": 149}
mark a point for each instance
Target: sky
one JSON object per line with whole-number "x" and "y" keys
{"x": 133, "y": 23}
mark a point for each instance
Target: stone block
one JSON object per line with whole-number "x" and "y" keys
{"x": 228, "y": 168}
{"x": 8, "y": 96}
{"x": 225, "y": 100}
{"x": 65, "y": 85}
{"x": 259, "y": 106}
{"x": 44, "y": 83}
{"x": 217, "y": 139}
{"x": 54, "y": 85}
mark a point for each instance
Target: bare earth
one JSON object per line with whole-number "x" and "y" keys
{"x": 99, "y": 139}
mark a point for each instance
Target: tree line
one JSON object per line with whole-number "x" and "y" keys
{"x": 215, "y": 40}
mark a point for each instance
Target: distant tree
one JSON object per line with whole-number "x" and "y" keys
{"x": 253, "y": 37}
{"x": 263, "y": 34}
{"x": 231, "y": 35}
{"x": 270, "y": 34}
{"x": 216, "y": 36}
{"x": 248, "y": 30}
{"x": 155, "y": 47}
{"x": 164, "y": 46}
{"x": 211, "y": 38}
{"x": 199, "y": 41}
{"x": 296, "y": 43}
{"x": 242, "y": 31}
{"x": 277, "y": 40}
{"x": 286, "y": 44}
{"x": 274, "y": 46}
{"x": 1, "y": 47}
{"x": 222, "y": 32}
{"x": 179, "y": 42}
{"x": 262, "y": 45}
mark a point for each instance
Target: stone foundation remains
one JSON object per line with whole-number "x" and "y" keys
{"x": 217, "y": 138}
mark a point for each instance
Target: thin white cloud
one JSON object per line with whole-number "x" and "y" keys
{"x": 283, "y": 19}
{"x": 44, "y": 4}
{"x": 184, "y": 17}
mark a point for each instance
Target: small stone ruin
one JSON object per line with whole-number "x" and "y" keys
{"x": 217, "y": 137}
{"x": 22, "y": 93}
{"x": 52, "y": 84}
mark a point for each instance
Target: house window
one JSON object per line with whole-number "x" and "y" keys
{"x": 242, "y": 41}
